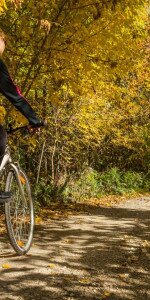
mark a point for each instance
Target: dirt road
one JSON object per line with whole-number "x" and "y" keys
{"x": 103, "y": 253}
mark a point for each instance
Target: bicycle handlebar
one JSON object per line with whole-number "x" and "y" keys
{"x": 27, "y": 127}
{"x": 10, "y": 130}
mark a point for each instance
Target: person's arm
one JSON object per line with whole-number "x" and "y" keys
{"x": 12, "y": 93}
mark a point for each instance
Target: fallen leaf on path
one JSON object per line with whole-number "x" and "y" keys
{"x": 106, "y": 294}
{"x": 145, "y": 244}
{"x": 108, "y": 204}
{"x": 124, "y": 276}
{"x": 6, "y": 266}
{"x": 126, "y": 236}
{"x": 20, "y": 243}
{"x": 133, "y": 258}
{"x": 85, "y": 280}
{"x": 38, "y": 220}
{"x": 68, "y": 241}
{"x": 51, "y": 266}
{"x": 144, "y": 250}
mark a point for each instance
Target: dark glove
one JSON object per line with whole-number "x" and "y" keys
{"x": 38, "y": 124}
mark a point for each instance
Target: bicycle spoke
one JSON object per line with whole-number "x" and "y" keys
{"x": 20, "y": 214}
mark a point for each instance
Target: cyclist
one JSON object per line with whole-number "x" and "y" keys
{"x": 13, "y": 94}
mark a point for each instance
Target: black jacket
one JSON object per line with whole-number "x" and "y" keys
{"x": 13, "y": 94}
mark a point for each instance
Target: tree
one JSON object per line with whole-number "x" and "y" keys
{"x": 3, "y": 4}
{"x": 84, "y": 65}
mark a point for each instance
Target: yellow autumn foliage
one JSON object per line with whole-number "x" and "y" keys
{"x": 2, "y": 114}
{"x": 87, "y": 73}
{"x": 3, "y": 4}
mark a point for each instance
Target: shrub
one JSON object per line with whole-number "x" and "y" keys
{"x": 42, "y": 192}
{"x": 132, "y": 181}
{"x": 85, "y": 187}
{"x": 113, "y": 181}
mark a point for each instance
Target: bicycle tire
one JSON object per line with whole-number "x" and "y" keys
{"x": 19, "y": 216}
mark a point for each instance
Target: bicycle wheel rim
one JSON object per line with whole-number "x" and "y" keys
{"x": 19, "y": 216}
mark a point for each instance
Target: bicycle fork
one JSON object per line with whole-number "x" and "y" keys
{"x": 16, "y": 170}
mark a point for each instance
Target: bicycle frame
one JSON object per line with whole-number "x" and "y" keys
{"x": 7, "y": 159}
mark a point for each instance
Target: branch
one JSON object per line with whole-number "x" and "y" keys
{"x": 36, "y": 58}
{"x": 39, "y": 166}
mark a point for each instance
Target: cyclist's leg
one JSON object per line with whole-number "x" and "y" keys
{"x": 4, "y": 196}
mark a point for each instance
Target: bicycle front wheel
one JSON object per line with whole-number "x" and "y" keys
{"x": 19, "y": 212}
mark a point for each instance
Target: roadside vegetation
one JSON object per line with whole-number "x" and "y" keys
{"x": 85, "y": 68}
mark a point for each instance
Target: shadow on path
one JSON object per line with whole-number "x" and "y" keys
{"x": 100, "y": 254}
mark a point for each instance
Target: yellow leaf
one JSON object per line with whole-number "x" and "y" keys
{"x": 2, "y": 114}
{"x": 146, "y": 244}
{"x": 106, "y": 293}
{"x": 133, "y": 258}
{"x": 6, "y": 266}
{"x": 38, "y": 220}
{"x": 84, "y": 280}
{"x": 68, "y": 241}
{"x": 20, "y": 243}
{"x": 22, "y": 179}
{"x": 124, "y": 276}
{"x": 51, "y": 266}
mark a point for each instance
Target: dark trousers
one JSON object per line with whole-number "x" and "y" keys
{"x": 3, "y": 140}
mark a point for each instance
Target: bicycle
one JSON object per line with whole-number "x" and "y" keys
{"x": 19, "y": 212}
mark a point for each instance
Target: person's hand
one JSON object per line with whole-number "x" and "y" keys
{"x": 33, "y": 130}
{"x": 36, "y": 128}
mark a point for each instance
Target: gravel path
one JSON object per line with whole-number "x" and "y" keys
{"x": 103, "y": 253}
